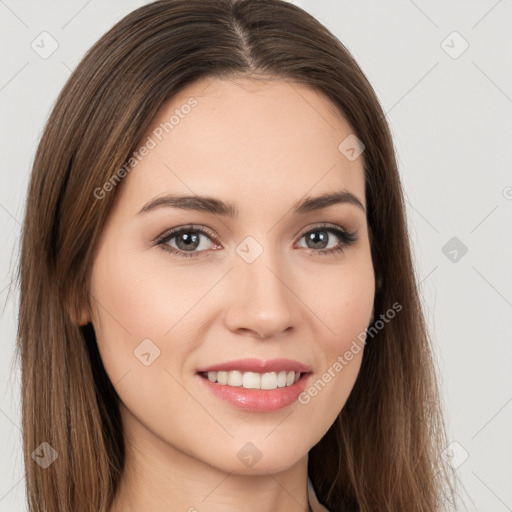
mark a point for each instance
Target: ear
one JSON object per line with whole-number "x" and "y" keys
{"x": 84, "y": 317}
{"x": 79, "y": 312}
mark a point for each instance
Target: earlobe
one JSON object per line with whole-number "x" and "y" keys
{"x": 85, "y": 318}
{"x": 80, "y": 314}
{"x": 83, "y": 309}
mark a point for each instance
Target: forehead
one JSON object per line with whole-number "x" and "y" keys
{"x": 251, "y": 137}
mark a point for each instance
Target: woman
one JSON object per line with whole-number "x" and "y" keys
{"x": 216, "y": 278}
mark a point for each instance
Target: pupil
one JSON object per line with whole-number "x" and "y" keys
{"x": 189, "y": 240}
{"x": 319, "y": 237}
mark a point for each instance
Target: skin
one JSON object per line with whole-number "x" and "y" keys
{"x": 262, "y": 145}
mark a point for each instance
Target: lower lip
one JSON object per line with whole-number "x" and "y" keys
{"x": 257, "y": 400}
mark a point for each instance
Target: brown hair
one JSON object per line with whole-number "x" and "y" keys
{"x": 383, "y": 452}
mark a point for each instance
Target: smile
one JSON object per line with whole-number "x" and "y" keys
{"x": 252, "y": 380}
{"x": 255, "y": 385}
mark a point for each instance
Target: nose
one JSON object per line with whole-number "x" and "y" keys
{"x": 261, "y": 301}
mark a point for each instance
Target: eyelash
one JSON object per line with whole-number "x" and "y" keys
{"x": 347, "y": 239}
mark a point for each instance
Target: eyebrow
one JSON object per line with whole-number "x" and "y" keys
{"x": 227, "y": 209}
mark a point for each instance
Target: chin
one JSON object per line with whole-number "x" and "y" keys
{"x": 257, "y": 457}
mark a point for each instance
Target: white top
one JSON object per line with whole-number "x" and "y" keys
{"x": 316, "y": 506}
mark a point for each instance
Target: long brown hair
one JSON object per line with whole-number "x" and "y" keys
{"x": 383, "y": 452}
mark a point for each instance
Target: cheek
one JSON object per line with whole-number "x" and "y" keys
{"x": 343, "y": 304}
{"x": 128, "y": 307}
{"x": 341, "y": 298}
{"x": 137, "y": 298}
{"x": 350, "y": 314}
{"x": 138, "y": 308}
{"x": 138, "y": 295}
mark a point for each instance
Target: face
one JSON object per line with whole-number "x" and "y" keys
{"x": 247, "y": 285}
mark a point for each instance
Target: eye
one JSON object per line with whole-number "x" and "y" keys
{"x": 185, "y": 241}
{"x": 319, "y": 240}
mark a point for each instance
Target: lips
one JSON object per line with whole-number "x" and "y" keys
{"x": 256, "y": 400}
{"x": 258, "y": 366}
{"x": 255, "y": 385}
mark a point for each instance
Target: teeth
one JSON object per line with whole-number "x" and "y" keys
{"x": 234, "y": 378}
{"x": 222, "y": 377}
{"x": 269, "y": 381}
{"x": 252, "y": 380}
{"x": 281, "y": 379}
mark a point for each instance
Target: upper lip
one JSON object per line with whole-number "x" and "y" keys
{"x": 257, "y": 366}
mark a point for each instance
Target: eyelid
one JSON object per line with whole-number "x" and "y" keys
{"x": 187, "y": 227}
{"x": 322, "y": 225}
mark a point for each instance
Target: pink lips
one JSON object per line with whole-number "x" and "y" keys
{"x": 257, "y": 400}
{"x": 258, "y": 366}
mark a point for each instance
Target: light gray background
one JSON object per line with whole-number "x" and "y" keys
{"x": 450, "y": 115}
